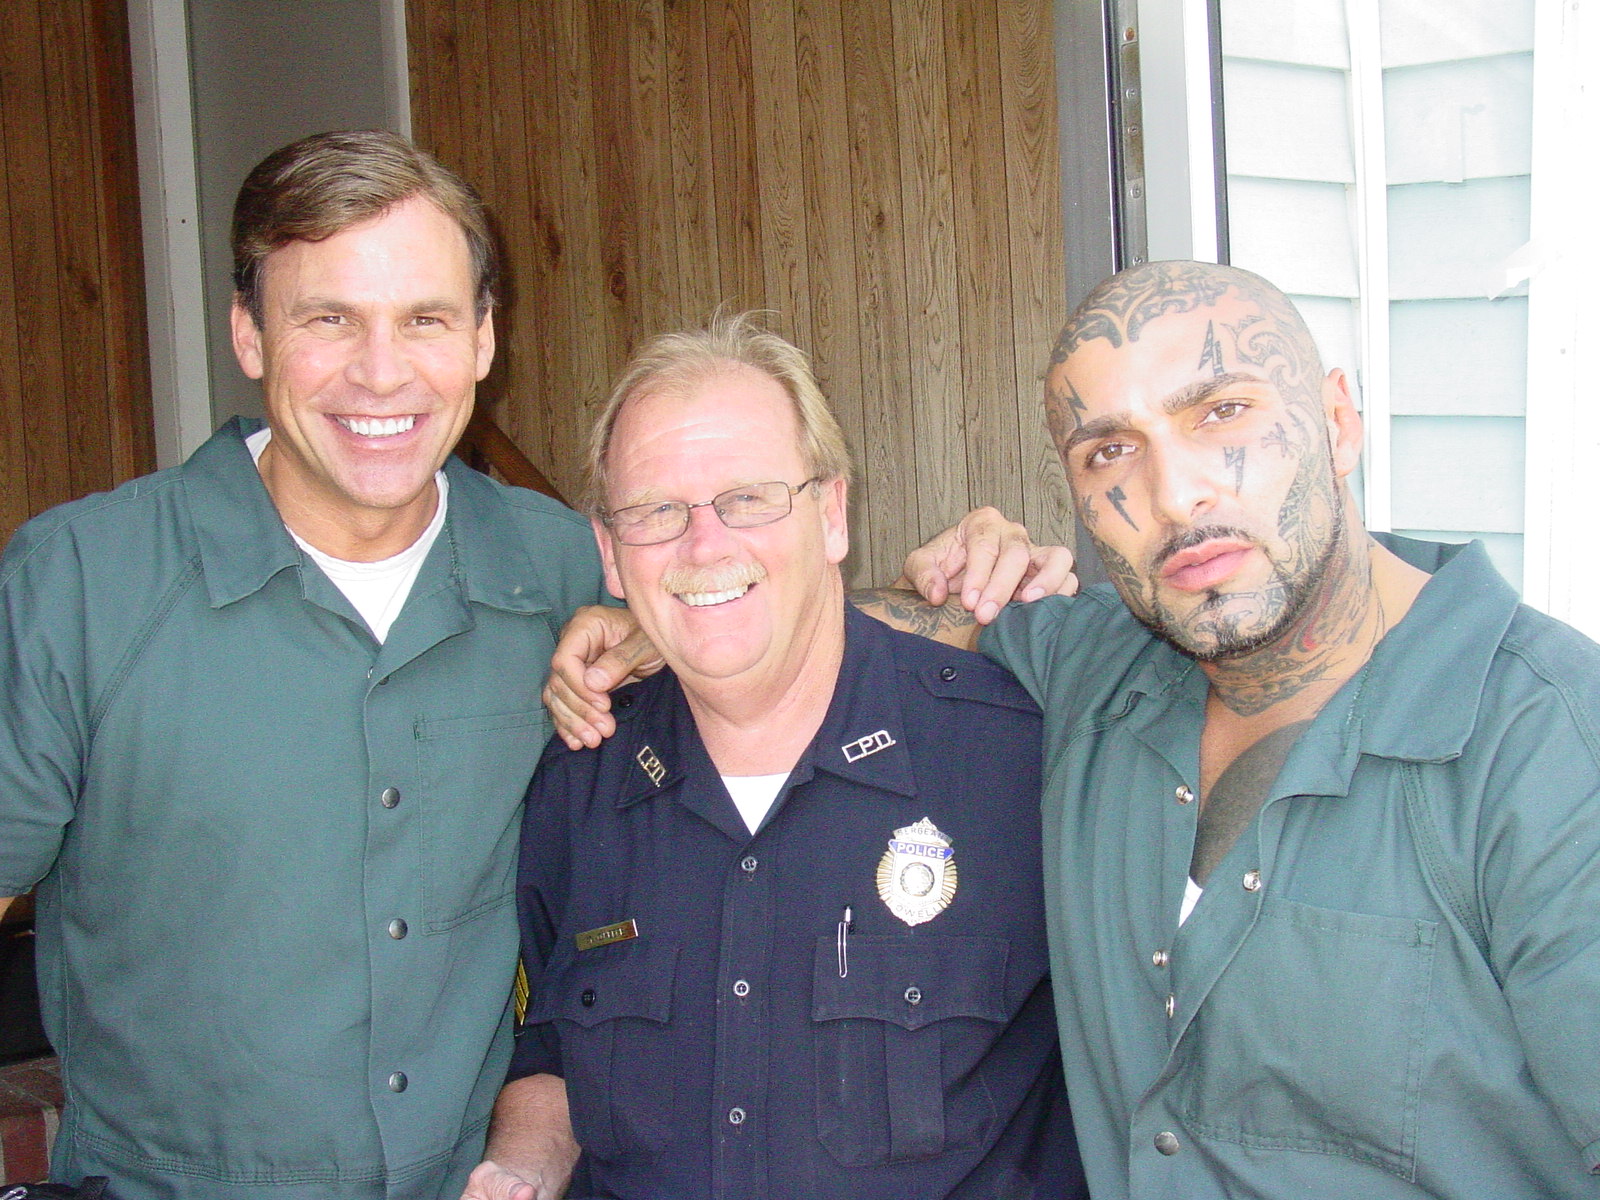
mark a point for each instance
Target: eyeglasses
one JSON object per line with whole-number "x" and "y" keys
{"x": 747, "y": 507}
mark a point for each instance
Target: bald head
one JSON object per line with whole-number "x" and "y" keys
{"x": 1206, "y": 450}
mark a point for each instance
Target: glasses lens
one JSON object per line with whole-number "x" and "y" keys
{"x": 647, "y": 524}
{"x": 752, "y": 505}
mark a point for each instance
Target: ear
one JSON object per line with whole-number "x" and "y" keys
{"x": 835, "y": 520}
{"x": 608, "y": 557}
{"x": 246, "y": 341}
{"x": 485, "y": 343}
{"x": 1344, "y": 422}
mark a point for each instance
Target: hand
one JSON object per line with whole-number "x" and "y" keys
{"x": 491, "y": 1181}
{"x": 600, "y": 649}
{"x": 990, "y": 561}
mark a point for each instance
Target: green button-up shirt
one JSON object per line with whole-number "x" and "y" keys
{"x": 276, "y": 931}
{"x": 1357, "y": 1007}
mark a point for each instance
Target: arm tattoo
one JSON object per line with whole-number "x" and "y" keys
{"x": 905, "y": 610}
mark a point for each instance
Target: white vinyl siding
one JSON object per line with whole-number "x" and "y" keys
{"x": 1456, "y": 98}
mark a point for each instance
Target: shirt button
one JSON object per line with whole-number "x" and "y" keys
{"x": 1185, "y": 794}
{"x": 1172, "y": 1004}
{"x": 1252, "y": 880}
{"x": 1167, "y": 1143}
{"x": 1159, "y": 958}
{"x": 947, "y": 674}
{"x": 390, "y": 797}
{"x": 741, "y": 988}
{"x": 624, "y": 701}
{"x": 913, "y": 994}
{"x": 736, "y": 1116}
{"x": 397, "y": 929}
{"x": 748, "y": 864}
{"x": 587, "y": 999}
{"x": 398, "y": 1081}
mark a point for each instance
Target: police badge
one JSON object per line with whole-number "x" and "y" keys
{"x": 917, "y": 873}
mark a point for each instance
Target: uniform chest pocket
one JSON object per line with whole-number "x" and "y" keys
{"x": 1313, "y": 1038}
{"x": 900, "y": 1042}
{"x": 473, "y": 773}
{"x": 612, "y": 1009}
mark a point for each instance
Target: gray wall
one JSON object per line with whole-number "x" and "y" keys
{"x": 266, "y": 72}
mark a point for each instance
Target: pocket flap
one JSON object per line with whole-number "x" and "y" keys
{"x": 629, "y": 979}
{"x": 911, "y": 981}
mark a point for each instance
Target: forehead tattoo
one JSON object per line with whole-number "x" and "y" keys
{"x": 1124, "y": 304}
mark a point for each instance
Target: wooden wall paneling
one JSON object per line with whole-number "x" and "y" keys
{"x": 888, "y": 449}
{"x": 835, "y": 339}
{"x": 1038, "y": 263}
{"x": 14, "y": 508}
{"x": 694, "y": 218}
{"x": 46, "y": 430}
{"x": 933, "y": 318}
{"x": 977, "y": 152}
{"x": 735, "y": 172}
{"x": 781, "y": 185}
{"x": 121, "y": 238}
{"x": 596, "y": 335}
{"x": 69, "y": 90}
{"x": 520, "y": 375}
{"x": 655, "y": 246}
{"x": 617, "y": 162}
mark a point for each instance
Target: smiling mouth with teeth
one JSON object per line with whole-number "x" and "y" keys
{"x": 377, "y": 426}
{"x": 705, "y": 599}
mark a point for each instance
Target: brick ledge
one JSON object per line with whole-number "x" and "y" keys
{"x": 30, "y": 1114}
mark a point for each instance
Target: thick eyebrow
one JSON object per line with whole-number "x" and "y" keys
{"x": 1186, "y": 397}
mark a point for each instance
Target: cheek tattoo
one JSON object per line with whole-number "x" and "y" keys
{"x": 1116, "y": 495}
{"x": 1087, "y": 511}
{"x": 1233, "y": 456}
{"x": 1277, "y": 439}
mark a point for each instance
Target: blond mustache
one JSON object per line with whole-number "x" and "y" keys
{"x": 679, "y": 580}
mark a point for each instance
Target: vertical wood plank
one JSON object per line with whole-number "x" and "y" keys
{"x": 45, "y": 425}
{"x": 694, "y": 207}
{"x": 69, "y": 89}
{"x": 14, "y": 480}
{"x": 780, "y": 186}
{"x": 124, "y": 347}
{"x": 655, "y": 260}
{"x": 888, "y": 450}
{"x": 977, "y": 153}
{"x": 1038, "y": 258}
{"x": 507, "y": 80}
{"x": 932, "y": 311}
{"x": 735, "y": 173}
{"x": 835, "y": 338}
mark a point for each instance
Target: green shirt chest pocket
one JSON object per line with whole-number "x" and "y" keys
{"x": 473, "y": 773}
{"x": 1313, "y": 1039}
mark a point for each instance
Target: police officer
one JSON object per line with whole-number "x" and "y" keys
{"x": 784, "y": 928}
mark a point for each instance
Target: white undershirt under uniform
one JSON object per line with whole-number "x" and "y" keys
{"x": 377, "y": 590}
{"x": 753, "y": 795}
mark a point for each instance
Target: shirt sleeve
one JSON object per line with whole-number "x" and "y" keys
{"x": 1024, "y": 639}
{"x": 542, "y": 877}
{"x": 1538, "y": 841}
{"x": 42, "y": 710}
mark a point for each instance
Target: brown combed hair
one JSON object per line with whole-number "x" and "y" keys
{"x": 678, "y": 361}
{"x": 323, "y": 184}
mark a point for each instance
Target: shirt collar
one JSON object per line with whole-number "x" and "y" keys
{"x": 861, "y": 739}
{"x": 243, "y": 542}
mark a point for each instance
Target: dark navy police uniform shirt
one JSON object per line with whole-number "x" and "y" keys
{"x": 725, "y": 1044}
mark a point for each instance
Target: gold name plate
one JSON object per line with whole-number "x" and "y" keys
{"x": 622, "y": 931}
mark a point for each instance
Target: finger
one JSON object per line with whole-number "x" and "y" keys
{"x": 1051, "y": 574}
{"x": 632, "y": 658}
{"x": 578, "y": 722}
{"x": 1012, "y": 559}
{"x": 490, "y": 1181}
